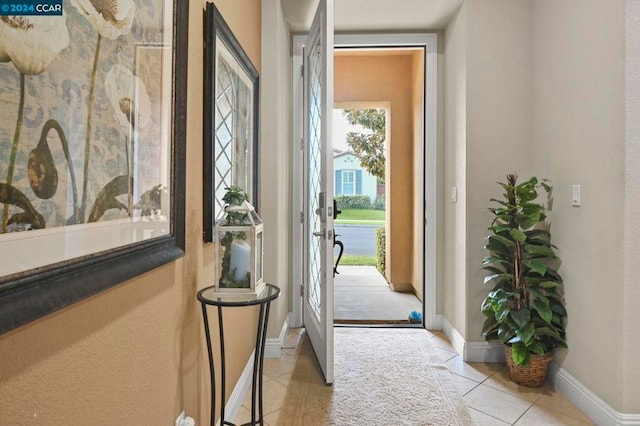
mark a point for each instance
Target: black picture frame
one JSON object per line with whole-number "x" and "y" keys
{"x": 29, "y": 295}
{"x": 217, "y": 29}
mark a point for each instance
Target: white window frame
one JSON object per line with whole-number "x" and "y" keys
{"x": 351, "y": 173}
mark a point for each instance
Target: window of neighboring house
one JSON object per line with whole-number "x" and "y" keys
{"x": 348, "y": 182}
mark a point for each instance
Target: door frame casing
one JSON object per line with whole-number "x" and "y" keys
{"x": 431, "y": 178}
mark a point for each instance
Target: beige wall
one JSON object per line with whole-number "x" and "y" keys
{"x": 135, "y": 354}
{"x": 488, "y": 134}
{"x": 391, "y": 82}
{"x": 455, "y": 170}
{"x": 417, "y": 124}
{"x": 538, "y": 87}
{"x": 498, "y": 130}
{"x": 579, "y": 139}
{"x": 631, "y": 298}
{"x": 275, "y": 163}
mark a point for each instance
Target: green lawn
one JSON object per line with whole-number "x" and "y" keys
{"x": 357, "y": 260}
{"x": 373, "y": 217}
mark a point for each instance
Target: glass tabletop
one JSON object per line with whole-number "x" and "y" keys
{"x": 209, "y": 296}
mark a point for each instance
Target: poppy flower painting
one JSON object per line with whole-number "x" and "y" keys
{"x": 84, "y": 126}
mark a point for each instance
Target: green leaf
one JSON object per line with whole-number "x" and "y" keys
{"x": 558, "y": 308}
{"x": 527, "y": 221}
{"x": 537, "y": 266}
{"x": 489, "y": 278}
{"x": 521, "y": 317}
{"x": 543, "y": 310}
{"x": 532, "y": 209}
{"x": 486, "y": 307}
{"x": 505, "y": 241}
{"x": 491, "y": 260}
{"x": 539, "y": 295}
{"x": 491, "y": 335}
{"x": 538, "y": 349}
{"x": 504, "y": 218}
{"x": 553, "y": 275}
{"x": 518, "y": 235}
{"x": 555, "y": 295}
{"x": 502, "y": 312}
{"x": 550, "y": 284}
{"x": 493, "y": 269}
{"x": 497, "y": 247}
{"x": 520, "y": 354}
{"x": 557, "y": 321}
{"x": 515, "y": 339}
{"x": 539, "y": 250}
{"x": 527, "y": 333}
{"x": 505, "y": 333}
{"x": 489, "y": 325}
{"x": 549, "y": 331}
{"x": 538, "y": 233}
{"x": 498, "y": 229}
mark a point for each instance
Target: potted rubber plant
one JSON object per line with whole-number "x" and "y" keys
{"x": 525, "y": 307}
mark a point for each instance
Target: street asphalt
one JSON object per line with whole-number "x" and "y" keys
{"x": 357, "y": 239}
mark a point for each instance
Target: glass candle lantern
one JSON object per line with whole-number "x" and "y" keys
{"x": 239, "y": 251}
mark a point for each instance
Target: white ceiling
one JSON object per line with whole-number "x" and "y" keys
{"x": 375, "y": 15}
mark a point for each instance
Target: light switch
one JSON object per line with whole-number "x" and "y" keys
{"x": 454, "y": 194}
{"x": 575, "y": 195}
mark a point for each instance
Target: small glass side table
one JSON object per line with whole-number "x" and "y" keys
{"x": 208, "y": 296}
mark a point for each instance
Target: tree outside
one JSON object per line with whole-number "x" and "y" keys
{"x": 368, "y": 147}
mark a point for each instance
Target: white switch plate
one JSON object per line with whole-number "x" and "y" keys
{"x": 575, "y": 196}
{"x": 454, "y": 194}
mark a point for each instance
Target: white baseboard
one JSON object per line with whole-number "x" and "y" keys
{"x": 483, "y": 352}
{"x": 591, "y": 404}
{"x": 273, "y": 346}
{"x": 455, "y": 338}
{"x": 472, "y": 351}
{"x": 437, "y": 322}
{"x": 232, "y": 408}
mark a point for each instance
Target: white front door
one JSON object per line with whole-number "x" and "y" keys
{"x": 318, "y": 193}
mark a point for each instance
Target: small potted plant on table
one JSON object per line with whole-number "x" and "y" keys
{"x": 525, "y": 308}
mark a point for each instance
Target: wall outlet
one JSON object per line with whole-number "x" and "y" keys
{"x": 180, "y": 418}
{"x": 184, "y": 420}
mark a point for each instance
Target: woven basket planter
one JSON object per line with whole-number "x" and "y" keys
{"x": 534, "y": 374}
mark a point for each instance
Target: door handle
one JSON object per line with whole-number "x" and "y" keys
{"x": 320, "y": 233}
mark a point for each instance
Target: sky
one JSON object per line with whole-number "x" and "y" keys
{"x": 340, "y": 129}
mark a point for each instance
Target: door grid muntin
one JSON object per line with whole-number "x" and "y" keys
{"x": 314, "y": 157}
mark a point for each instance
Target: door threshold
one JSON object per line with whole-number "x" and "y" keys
{"x": 376, "y": 323}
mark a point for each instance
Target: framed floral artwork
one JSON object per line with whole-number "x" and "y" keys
{"x": 231, "y": 120}
{"x": 92, "y": 150}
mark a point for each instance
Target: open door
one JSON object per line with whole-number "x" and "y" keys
{"x": 318, "y": 178}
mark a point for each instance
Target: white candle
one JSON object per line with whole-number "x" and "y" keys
{"x": 240, "y": 259}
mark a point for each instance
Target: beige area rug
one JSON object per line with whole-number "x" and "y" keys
{"x": 382, "y": 377}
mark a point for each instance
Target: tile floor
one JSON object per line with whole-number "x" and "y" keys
{"x": 491, "y": 397}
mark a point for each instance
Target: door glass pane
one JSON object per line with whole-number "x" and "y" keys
{"x": 314, "y": 164}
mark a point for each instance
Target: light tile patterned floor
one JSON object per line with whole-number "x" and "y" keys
{"x": 492, "y": 399}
